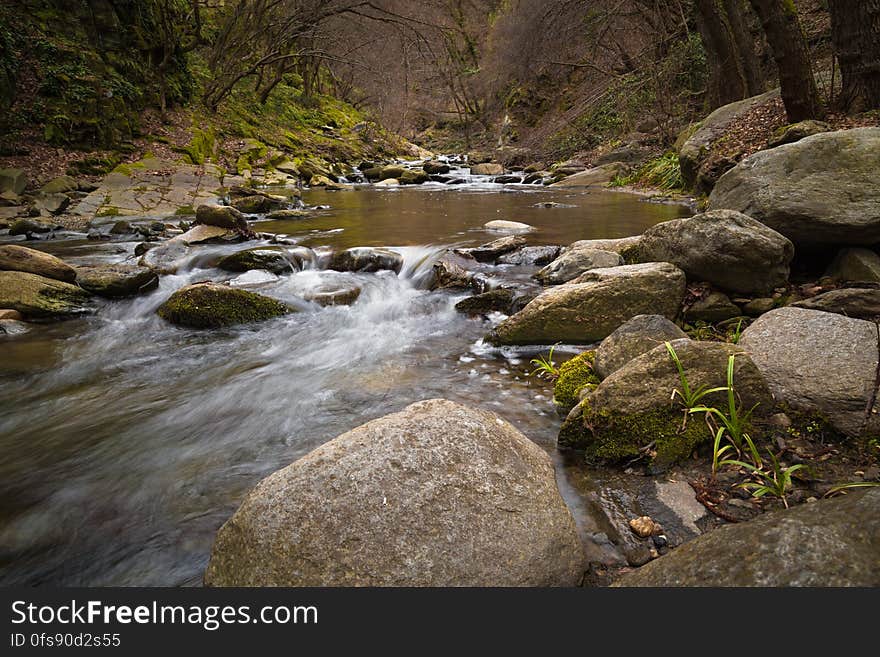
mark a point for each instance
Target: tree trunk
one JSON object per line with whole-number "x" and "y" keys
{"x": 855, "y": 31}
{"x": 745, "y": 43}
{"x": 728, "y": 79}
{"x": 786, "y": 39}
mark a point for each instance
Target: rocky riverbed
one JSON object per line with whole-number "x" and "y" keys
{"x": 723, "y": 335}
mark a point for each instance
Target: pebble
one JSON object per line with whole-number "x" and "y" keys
{"x": 643, "y": 526}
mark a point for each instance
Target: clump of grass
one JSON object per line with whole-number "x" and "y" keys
{"x": 774, "y": 482}
{"x": 663, "y": 173}
{"x": 690, "y": 397}
{"x": 545, "y": 367}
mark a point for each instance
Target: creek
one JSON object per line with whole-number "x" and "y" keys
{"x": 127, "y": 442}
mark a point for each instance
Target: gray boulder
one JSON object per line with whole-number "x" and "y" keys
{"x": 275, "y": 260}
{"x": 450, "y": 273}
{"x": 697, "y": 150}
{"x": 817, "y": 362}
{"x": 13, "y": 180}
{"x": 222, "y": 216}
{"x": 861, "y": 303}
{"x": 575, "y": 262}
{"x": 856, "y": 265}
{"x": 638, "y": 336}
{"x": 534, "y": 256}
{"x": 725, "y": 248}
{"x": 634, "y": 407}
{"x": 493, "y": 250}
{"x": 819, "y": 191}
{"x": 21, "y": 258}
{"x": 829, "y": 543}
{"x": 620, "y": 245}
{"x": 499, "y": 299}
{"x": 38, "y": 297}
{"x": 438, "y": 494}
{"x": 487, "y": 169}
{"x": 116, "y": 281}
{"x": 592, "y": 306}
{"x": 49, "y": 204}
{"x": 366, "y": 259}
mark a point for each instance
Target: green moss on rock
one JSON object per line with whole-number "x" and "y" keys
{"x": 209, "y": 305}
{"x": 609, "y": 436}
{"x": 574, "y": 375}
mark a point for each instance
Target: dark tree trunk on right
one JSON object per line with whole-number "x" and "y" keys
{"x": 855, "y": 31}
{"x": 786, "y": 38}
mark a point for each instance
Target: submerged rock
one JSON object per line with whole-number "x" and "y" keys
{"x": 26, "y": 226}
{"x": 21, "y": 258}
{"x": 634, "y": 408}
{"x": 574, "y": 262}
{"x": 817, "y": 362}
{"x": 592, "y": 306}
{"x": 508, "y": 226}
{"x": 819, "y": 191}
{"x": 38, "y": 297}
{"x": 210, "y": 305}
{"x": 725, "y": 248}
{"x": 116, "y": 280}
{"x": 366, "y": 259}
{"x": 829, "y": 543}
{"x": 436, "y": 168}
{"x": 438, "y": 494}
{"x": 638, "y": 336}
{"x": 259, "y": 203}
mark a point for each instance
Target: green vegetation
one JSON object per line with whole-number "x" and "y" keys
{"x": 690, "y": 397}
{"x": 662, "y": 173}
{"x": 545, "y": 367}
{"x": 573, "y": 377}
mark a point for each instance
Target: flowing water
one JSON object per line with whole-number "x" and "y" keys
{"x": 126, "y": 442}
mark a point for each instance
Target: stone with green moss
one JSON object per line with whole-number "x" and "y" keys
{"x": 575, "y": 376}
{"x": 38, "y": 297}
{"x": 634, "y": 408}
{"x": 210, "y": 305}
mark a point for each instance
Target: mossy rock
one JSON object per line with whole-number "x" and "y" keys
{"x": 209, "y": 305}
{"x": 38, "y": 297}
{"x": 411, "y": 177}
{"x": 575, "y": 375}
{"x": 634, "y": 407}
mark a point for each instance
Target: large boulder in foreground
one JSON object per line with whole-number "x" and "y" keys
{"x": 725, "y": 248}
{"x": 38, "y": 297}
{"x": 632, "y": 339}
{"x": 210, "y": 305}
{"x": 817, "y": 362}
{"x": 114, "y": 281}
{"x": 821, "y": 190}
{"x": 438, "y": 494}
{"x": 634, "y": 407}
{"x": 21, "y": 258}
{"x": 829, "y": 543}
{"x": 592, "y": 306}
